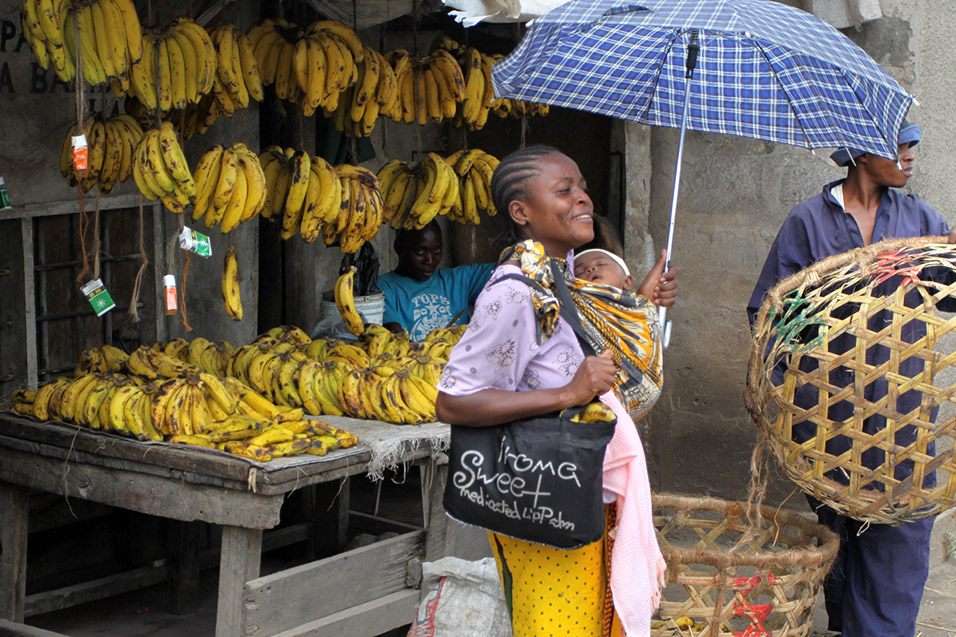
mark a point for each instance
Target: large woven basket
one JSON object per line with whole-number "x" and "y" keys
{"x": 731, "y": 578}
{"x": 850, "y": 364}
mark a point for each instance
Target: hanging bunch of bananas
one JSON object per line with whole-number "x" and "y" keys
{"x": 111, "y": 145}
{"x": 414, "y": 194}
{"x": 302, "y": 191}
{"x": 195, "y": 119}
{"x": 230, "y": 285}
{"x": 230, "y": 187}
{"x": 310, "y": 67}
{"x": 109, "y": 38}
{"x": 376, "y": 88}
{"x": 474, "y": 169}
{"x": 177, "y": 68}
{"x": 160, "y": 169}
{"x": 429, "y": 88}
{"x": 504, "y": 107}
{"x": 361, "y": 209}
{"x": 237, "y": 78}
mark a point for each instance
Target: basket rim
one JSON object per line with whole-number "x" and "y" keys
{"x": 809, "y": 556}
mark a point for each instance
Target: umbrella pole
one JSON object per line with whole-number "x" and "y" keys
{"x": 692, "y": 50}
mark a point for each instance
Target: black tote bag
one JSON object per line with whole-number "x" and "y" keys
{"x": 538, "y": 479}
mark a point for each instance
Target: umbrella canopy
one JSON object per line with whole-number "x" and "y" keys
{"x": 764, "y": 70}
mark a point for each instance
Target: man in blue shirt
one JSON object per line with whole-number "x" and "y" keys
{"x": 876, "y": 583}
{"x": 420, "y": 296}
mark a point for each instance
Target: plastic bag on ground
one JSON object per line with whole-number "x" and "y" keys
{"x": 463, "y": 599}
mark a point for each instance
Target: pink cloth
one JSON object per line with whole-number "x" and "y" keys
{"x": 500, "y": 351}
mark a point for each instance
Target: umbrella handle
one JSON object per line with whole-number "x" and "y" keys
{"x": 665, "y": 326}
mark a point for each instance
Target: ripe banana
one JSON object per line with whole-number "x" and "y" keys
{"x": 345, "y": 302}
{"x": 230, "y": 285}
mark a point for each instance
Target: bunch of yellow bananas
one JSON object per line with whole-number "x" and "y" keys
{"x": 110, "y": 149}
{"x": 474, "y": 169}
{"x": 237, "y": 78}
{"x": 343, "y": 293}
{"x": 414, "y": 194}
{"x": 209, "y": 356}
{"x": 178, "y": 67}
{"x": 109, "y": 38}
{"x": 309, "y": 66}
{"x": 375, "y": 89}
{"x": 230, "y": 187}
{"x": 361, "y": 209}
{"x": 429, "y": 88}
{"x": 230, "y": 285}
{"x": 594, "y": 412}
{"x": 302, "y": 192}
{"x": 103, "y": 359}
{"x": 160, "y": 169}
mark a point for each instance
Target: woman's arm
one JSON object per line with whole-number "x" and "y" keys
{"x": 496, "y": 406}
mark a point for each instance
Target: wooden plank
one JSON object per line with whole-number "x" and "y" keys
{"x": 305, "y": 593}
{"x": 155, "y": 495}
{"x": 370, "y": 618}
{"x": 14, "y": 511}
{"x": 240, "y": 556}
{"x": 11, "y": 629}
{"x": 434, "y": 476}
{"x": 368, "y": 523}
{"x": 55, "y": 208}
{"x": 30, "y": 301}
{"x": 100, "y": 588}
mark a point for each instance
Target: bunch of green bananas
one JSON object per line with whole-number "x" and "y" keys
{"x": 230, "y": 285}
{"x": 177, "y": 68}
{"x": 414, "y": 194}
{"x": 160, "y": 169}
{"x": 109, "y": 38}
{"x": 311, "y": 66}
{"x": 474, "y": 169}
{"x": 375, "y": 90}
{"x": 303, "y": 192}
{"x": 111, "y": 145}
{"x": 230, "y": 187}
{"x": 429, "y": 88}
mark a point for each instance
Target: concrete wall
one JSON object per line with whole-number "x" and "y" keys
{"x": 734, "y": 194}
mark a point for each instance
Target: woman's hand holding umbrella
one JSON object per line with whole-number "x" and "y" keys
{"x": 660, "y": 286}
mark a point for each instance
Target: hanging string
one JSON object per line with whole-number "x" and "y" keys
{"x": 96, "y": 237}
{"x": 182, "y": 294}
{"x": 141, "y": 273}
{"x": 83, "y": 219}
{"x": 524, "y": 130}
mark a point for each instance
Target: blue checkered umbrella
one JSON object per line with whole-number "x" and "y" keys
{"x": 753, "y": 68}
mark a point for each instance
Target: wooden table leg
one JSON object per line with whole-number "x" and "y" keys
{"x": 239, "y": 562}
{"x": 330, "y": 529}
{"x": 434, "y": 476}
{"x": 14, "y": 509}
{"x": 183, "y": 565}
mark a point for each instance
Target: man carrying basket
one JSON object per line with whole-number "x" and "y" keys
{"x": 876, "y": 582}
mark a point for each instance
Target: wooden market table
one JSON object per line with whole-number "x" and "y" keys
{"x": 362, "y": 591}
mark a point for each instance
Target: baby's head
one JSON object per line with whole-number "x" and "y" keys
{"x": 601, "y": 266}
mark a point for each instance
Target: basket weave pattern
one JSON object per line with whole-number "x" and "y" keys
{"x": 847, "y": 374}
{"x": 736, "y": 579}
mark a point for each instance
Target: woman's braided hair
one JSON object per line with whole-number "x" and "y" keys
{"x": 508, "y": 183}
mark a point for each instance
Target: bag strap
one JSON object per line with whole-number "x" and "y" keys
{"x": 565, "y": 304}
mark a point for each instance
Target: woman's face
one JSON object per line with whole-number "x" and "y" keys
{"x": 557, "y": 212}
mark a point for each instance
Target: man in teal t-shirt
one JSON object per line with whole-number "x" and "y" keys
{"x": 420, "y": 296}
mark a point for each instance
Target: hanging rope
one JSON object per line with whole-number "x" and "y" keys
{"x": 138, "y": 284}
{"x": 83, "y": 220}
{"x": 96, "y": 237}
{"x": 182, "y": 295}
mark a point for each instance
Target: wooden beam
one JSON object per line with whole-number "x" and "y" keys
{"x": 312, "y": 591}
{"x": 241, "y": 553}
{"x": 14, "y": 505}
{"x": 370, "y": 618}
{"x": 30, "y": 301}
{"x": 70, "y": 207}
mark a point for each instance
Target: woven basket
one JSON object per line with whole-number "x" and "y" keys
{"x": 732, "y": 578}
{"x": 850, "y": 364}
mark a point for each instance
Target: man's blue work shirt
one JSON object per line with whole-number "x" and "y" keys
{"x": 422, "y": 306}
{"x": 819, "y": 228}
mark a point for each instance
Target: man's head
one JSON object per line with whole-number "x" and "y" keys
{"x": 602, "y": 266}
{"x": 419, "y": 251}
{"x": 884, "y": 171}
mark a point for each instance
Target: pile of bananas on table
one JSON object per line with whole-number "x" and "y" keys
{"x": 382, "y": 376}
{"x": 154, "y": 394}
{"x": 111, "y": 146}
{"x": 310, "y": 197}
{"x": 458, "y": 187}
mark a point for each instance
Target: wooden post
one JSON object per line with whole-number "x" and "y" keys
{"x": 182, "y": 563}
{"x": 239, "y": 562}
{"x": 330, "y": 530}
{"x": 434, "y": 476}
{"x": 14, "y": 507}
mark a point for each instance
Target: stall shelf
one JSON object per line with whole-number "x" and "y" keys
{"x": 368, "y": 590}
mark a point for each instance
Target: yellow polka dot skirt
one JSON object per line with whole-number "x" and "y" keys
{"x": 551, "y": 592}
